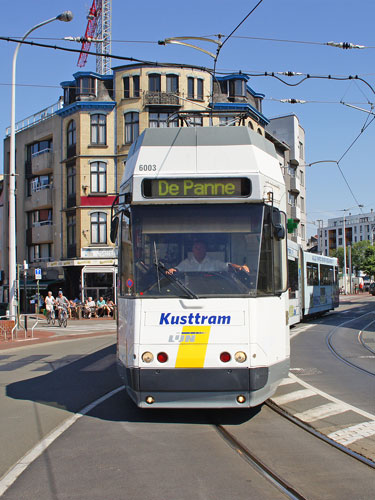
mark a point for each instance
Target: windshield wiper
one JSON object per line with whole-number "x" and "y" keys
{"x": 161, "y": 267}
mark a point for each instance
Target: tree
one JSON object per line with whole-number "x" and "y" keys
{"x": 369, "y": 261}
{"x": 339, "y": 253}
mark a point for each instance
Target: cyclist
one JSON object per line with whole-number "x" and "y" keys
{"x": 62, "y": 303}
{"x": 49, "y": 301}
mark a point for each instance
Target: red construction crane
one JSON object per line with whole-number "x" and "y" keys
{"x": 90, "y": 31}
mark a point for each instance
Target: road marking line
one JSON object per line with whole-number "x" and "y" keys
{"x": 10, "y": 477}
{"x": 293, "y": 396}
{"x": 331, "y": 398}
{"x": 353, "y": 433}
{"x": 287, "y": 381}
{"x": 320, "y": 412}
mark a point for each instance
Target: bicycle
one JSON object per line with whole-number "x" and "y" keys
{"x": 63, "y": 317}
{"x": 51, "y": 317}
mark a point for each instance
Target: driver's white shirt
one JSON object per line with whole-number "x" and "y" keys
{"x": 191, "y": 264}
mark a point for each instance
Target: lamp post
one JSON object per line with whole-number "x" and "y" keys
{"x": 65, "y": 16}
{"x": 344, "y": 241}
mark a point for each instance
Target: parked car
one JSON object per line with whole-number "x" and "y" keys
{"x": 372, "y": 289}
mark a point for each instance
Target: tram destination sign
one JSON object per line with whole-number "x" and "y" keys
{"x": 221, "y": 187}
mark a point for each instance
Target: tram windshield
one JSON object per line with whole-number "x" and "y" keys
{"x": 194, "y": 251}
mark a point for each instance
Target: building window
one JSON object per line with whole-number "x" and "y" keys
{"x": 340, "y": 231}
{"x": 99, "y": 227}
{"x": 154, "y": 83}
{"x": 301, "y": 149}
{"x": 159, "y": 119}
{"x": 340, "y": 241}
{"x": 131, "y": 127}
{"x": 191, "y": 88}
{"x": 227, "y": 121}
{"x": 236, "y": 88}
{"x": 71, "y": 185}
{"x": 360, "y": 229}
{"x": 136, "y": 87}
{"x": 71, "y": 138}
{"x": 196, "y": 121}
{"x": 126, "y": 82}
{"x": 172, "y": 84}
{"x": 302, "y": 177}
{"x": 86, "y": 85}
{"x": 71, "y": 234}
{"x": 200, "y": 89}
{"x": 291, "y": 171}
{"x": 292, "y": 199}
{"x": 98, "y": 177}
{"x": 40, "y": 253}
{"x": 98, "y": 129}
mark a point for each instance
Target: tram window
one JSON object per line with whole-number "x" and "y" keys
{"x": 312, "y": 274}
{"x": 326, "y": 275}
{"x": 236, "y": 241}
{"x": 292, "y": 278}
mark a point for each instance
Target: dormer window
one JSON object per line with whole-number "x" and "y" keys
{"x": 86, "y": 85}
{"x": 235, "y": 87}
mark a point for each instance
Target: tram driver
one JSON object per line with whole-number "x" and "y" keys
{"x": 200, "y": 261}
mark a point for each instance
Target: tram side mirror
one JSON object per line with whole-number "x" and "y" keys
{"x": 279, "y": 231}
{"x": 278, "y": 227}
{"x": 114, "y": 229}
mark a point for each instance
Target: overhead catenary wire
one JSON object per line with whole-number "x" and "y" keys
{"x": 265, "y": 74}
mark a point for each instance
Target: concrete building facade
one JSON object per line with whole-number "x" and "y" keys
{"x": 358, "y": 227}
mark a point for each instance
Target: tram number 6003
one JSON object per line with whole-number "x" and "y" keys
{"x": 147, "y": 168}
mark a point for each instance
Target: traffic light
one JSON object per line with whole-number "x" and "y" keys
{"x": 292, "y": 225}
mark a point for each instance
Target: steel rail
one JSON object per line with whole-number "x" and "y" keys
{"x": 342, "y": 358}
{"x": 366, "y": 461}
{"x": 258, "y": 464}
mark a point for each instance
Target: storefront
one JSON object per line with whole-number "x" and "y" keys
{"x": 93, "y": 276}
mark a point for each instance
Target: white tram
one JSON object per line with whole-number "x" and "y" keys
{"x": 312, "y": 282}
{"x": 208, "y": 330}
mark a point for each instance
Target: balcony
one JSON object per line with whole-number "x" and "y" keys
{"x": 295, "y": 212}
{"x": 40, "y": 198}
{"x": 42, "y": 232}
{"x": 295, "y": 184}
{"x": 161, "y": 99}
{"x": 42, "y": 162}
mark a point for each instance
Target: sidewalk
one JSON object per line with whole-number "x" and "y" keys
{"x": 52, "y": 333}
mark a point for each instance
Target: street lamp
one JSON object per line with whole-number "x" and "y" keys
{"x": 65, "y": 16}
{"x": 344, "y": 241}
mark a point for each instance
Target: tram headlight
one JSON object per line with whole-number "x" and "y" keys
{"x": 147, "y": 357}
{"x": 240, "y": 357}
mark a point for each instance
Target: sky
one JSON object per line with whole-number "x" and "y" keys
{"x": 279, "y": 36}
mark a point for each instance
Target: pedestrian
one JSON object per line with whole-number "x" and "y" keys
{"x": 361, "y": 287}
{"x": 356, "y": 289}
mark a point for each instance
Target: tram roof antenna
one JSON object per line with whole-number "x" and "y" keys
{"x": 99, "y": 29}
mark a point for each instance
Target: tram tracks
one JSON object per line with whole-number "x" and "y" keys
{"x": 259, "y": 465}
{"x": 345, "y": 359}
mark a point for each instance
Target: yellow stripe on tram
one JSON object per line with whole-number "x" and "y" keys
{"x": 192, "y": 350}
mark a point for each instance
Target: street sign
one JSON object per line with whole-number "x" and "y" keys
{"x": 38, "y": 273}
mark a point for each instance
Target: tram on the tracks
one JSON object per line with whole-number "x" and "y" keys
{"x": 312, "y": 283}
{"x": 202, "y": 300}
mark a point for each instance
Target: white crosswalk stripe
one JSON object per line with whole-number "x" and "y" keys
{"x": 322, "y": 411}
{"x": 353, "y": 433}
{"x": 293, "y": 396}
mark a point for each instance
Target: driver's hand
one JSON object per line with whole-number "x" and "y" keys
{"x": 245, "y": 268}
{"x": 171, "y": 270}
